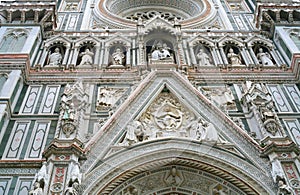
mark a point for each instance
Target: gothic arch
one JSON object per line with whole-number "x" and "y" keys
{"x": 130, "y": 166}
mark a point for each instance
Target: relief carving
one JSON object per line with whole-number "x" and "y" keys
{"x": 220, "y": 96}
{"x": 166, "y": 117}
{"x": 257, "y": 99}
{"x": 107, "y": 97}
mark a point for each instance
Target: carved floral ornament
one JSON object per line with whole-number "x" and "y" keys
{"x": 167, "y": 117}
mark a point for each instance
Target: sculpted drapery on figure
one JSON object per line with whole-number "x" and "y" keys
{"x": 86, "y": 57}
{"x": 167, "y": 117}
{"x": 118, "y": 57}
{"x": 203, "y": 58}
{"x": 160, "y": 51}
{"x": 233, "y": 58}
{"x": 37, "y": 190}
{"x": 55, "y": 58}
{"x": 264, "y": 57}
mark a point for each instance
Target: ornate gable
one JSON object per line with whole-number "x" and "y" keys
{"x": 166, "y": 110}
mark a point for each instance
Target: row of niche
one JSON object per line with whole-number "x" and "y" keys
{"x": 122, "y": 55}
{"x": 88, "y": 55}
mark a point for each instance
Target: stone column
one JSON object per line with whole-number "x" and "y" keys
{"x": 128, "y": 58}
{"x": 193, "y": 56}
{"x": 101, "y": 56}
{"x": 244, "y": 56}
{"x": 134, "y": 53}
{"x": 96, "y": 59}
{"x": 252, "y": 54}
{"x": 64, "y": 62}
{"x": 215, "y": 56}
{"x": 223, "y": 56}
{"x": 43, "y": 57}
{"x": 75, "y": 56}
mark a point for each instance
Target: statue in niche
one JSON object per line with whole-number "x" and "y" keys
{"x": 233, "y": 58}
{"x": 118, "y": 57}
{"x": 204, "y": 58}
{"x": 173, "y": 177}
{"x": 86, "y": 57}
{"x": 160, "y": 51}
{"x": 37, "y": 190}
{"x": 55, "y": 58}
{"x": 68, "y": 111}
{"x": 264, "y": 57}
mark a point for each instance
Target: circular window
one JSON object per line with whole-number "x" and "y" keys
{"x": 128, "y": 12}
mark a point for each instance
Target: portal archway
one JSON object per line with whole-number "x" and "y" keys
{"x": 175, "y": 166}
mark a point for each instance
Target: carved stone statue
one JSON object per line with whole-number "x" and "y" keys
{"x": 277, "y": 172}
{"x": 283, "y": 189}
{"x": 37, "y": 190}
{"x": 160, "y": 51}
{"x": 233, "y": 58}
{"x": 210, "y": 133}
{"x": 107, "y": 97}
{"x": 43, "y": 175}
{"x": 118, "y": 57}
{"x": 264, "y": 57}
{"x": 134, "y": 133}
{"x": 195, "y": 129}
{"x": 204, "y": 59}
{"x": 73, "y": 189}
{"x": 86, "y": 57}
{"x": 221, "y": 96}
{"x": 55, "y": 58}
{"x": 68, "y": 111}
{"x": 168, "y": 116}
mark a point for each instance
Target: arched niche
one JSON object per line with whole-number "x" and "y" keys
{"x": 161, "y": 40}
{"x": 233, "y": 54}
{"x": 55, "y": 55}
{"x": 203, "y": 52}
{"x": 86, "y": 54}
{"x": 117, "y": 56}
{"x": 120, "y": 45}
{"x": 259, "y": 47}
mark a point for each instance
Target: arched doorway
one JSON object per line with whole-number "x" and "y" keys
{"x": 175, "y": 166}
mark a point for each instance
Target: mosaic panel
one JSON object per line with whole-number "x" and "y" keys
{"x": 23, "y": 186}
{"x": 4, "y": 185}
{"x": 37, "y": 143}
{"x": 30, "y": 100}
{"x": 49, "y": 100}
{"x": 293, "y": 127}
{"x": 293, "y": 92}
{"x": 279, "y": 99}
{"x": 16, "y": 140}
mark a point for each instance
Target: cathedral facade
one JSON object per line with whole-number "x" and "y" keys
{"x": 149, "y": 97}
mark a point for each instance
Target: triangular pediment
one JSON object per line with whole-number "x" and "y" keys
{"x": 164, "y": 106}
{"x": 158, "y": 23}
